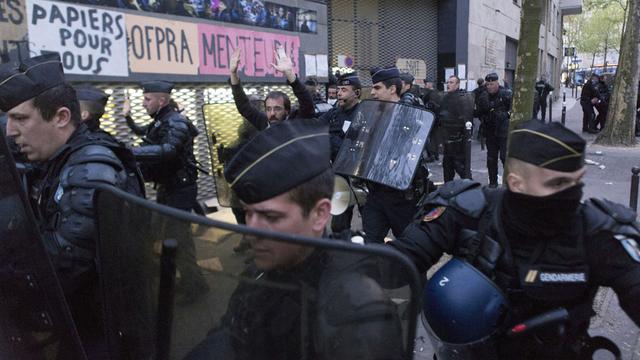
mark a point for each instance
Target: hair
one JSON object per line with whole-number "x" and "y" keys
{"x": 173, "y": 104}
{"x": 280, "y": 95}
{"x": 50, "y": 101}
{"x": 455, "y": 77}
{"x": 480, "y": 81}
{"x": 310, "y": 192}
{"x": 394, "y": 81}
{"x": 95, "y": 110}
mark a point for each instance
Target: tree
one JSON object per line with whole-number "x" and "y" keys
{"x": 622, "y": 112}
{"x": 527, "y": 63}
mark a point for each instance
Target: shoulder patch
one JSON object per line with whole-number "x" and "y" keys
{"x": 434, "y": 214}
{"x": 630, "y": 246}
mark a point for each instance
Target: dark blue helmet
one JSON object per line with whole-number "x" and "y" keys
{"x": 462, "y": 306}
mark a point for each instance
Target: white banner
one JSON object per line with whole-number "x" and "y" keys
{"x": 90, "y": 41}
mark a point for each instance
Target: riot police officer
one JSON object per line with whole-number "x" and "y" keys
{"x": 168, "y": 161}
{"x": 92, "y": 102}
{"x": 456, "y": 109}
{"x": 44, "y": 120}
{"x": 339, "y": 118}
{"x": 536, "y": 240}
{"x": 543, "y": 88}
{"x": 493, "y": 109}
{"x": 407, "y": 96}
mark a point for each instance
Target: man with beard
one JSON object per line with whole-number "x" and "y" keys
{"x": 339, "y": 118}
{"x": 276, "y": 313}
{"x": 277, "y": 103}
{"x": 536, "y": 241}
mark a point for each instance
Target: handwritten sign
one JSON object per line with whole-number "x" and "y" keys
{"x": 13, "y": 27}
{"x": 90, "y": 41}
{"x": 162, "y": 46}
{"x": 217, "y": 43}
{"x": 415, "y": 67}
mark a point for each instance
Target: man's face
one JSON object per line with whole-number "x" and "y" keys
{"x": 429, "y": 85}
{"x": 37, "y": 138}
{"x": 275, "y": 109}
{"x": 405, "y": 87}
{"x": 492, "y": 86}
{"x": 332, "y": 93}
{"x": 452, "y": 84}
{"x": 347, "y": 96}
{"x": 380, "y": 92}
{"x": 539, "y": 181}
{"x": 152, "y": 102}
{"x": 283, "y": 215}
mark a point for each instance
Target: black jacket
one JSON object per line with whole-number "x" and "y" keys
{"x": 493, "y": 111}
{"x": 336, "y": 118}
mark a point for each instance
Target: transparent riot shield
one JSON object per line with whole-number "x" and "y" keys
{"x": 34, "y": 319}
{"x": 288, "y": 297}
{"x": 227, "y": 131}
{"x": 384, "y": 143}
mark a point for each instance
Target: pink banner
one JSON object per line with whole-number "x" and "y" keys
{"x": 217, "y": 43}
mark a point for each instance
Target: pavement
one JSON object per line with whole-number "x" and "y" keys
{"x": 608, "y": 176}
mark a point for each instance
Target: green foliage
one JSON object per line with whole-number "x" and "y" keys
{"x": 599, "y": 28}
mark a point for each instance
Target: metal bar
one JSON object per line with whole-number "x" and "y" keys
{"x": 165, "y": 298}
{"x": 633, "y": 200}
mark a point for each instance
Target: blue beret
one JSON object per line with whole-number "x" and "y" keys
{"x": 350, "y": 79}
{"x": 551, "y": 146}
{"x": 90, "y": 93}
{"x": 160, "y": 86}
{"x": 381, "y": 74}
{"x": 32, "y": 77}
{"x": 279, "y": 159}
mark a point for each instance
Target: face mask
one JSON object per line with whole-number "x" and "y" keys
{"x": 542, "y": 215}
{"x": 332, "y": 101}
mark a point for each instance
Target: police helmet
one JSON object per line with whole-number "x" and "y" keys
{"x": 462, "y": 306}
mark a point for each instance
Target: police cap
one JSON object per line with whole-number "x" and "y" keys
{"x": 92, "y": 94}
{"x": 491, "y": 77}
{"x": 159, "y": 86}
{"x": 551, "y": 146}
{"x": 381, "y": 74}
{"x": 31, "y": 78}
{"x": 279, "y": 159}
{"x": 351, "y": 79}
{"x": 407, "y": 78}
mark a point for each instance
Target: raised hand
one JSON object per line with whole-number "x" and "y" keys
{"x": 126, "y": 107}
{"x": 235, "y": 60}
{"x": 284, "y": 64}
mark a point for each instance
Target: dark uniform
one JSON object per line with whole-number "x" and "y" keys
{"x": 409, "y": 97}
{"x": 167, "y": 160}
{"x": 589, "y": 91}
{"x": 540, "y": 103}
{"x": 602, "y": 105}
{"x": 94, "y": 100}
{"x": 296, "y": 318}
{"x": 259, "y": 119}
{"x": 543, "y": 252}
{"x": 455, "y": 112}
{"x": 493, "y": 110}
{"x": 63, "y": 200}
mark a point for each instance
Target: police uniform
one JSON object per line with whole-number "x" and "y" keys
{"x": 339, "y": 120}
{"x": 544, "y": 253}
{"x": 455, "y": 112}
{"x": 299, "y": 317}
{"x": 408, "y": 97}
{"x": 167, "y": 159}
{"x": 388, "y": 208}
{"x": 64, "y": 198}
{"x": 95, "y": 98}
{"x": 493, "y": 110}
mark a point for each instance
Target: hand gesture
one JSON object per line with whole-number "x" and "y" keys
{"x": 235, "y": 60}
{"x": 126, "y": 107}
{"x": 284, "y": 64}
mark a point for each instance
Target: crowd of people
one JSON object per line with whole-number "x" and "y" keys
{"x": 537, "y": 244}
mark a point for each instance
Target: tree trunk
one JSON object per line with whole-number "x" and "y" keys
{"x": 527, "y": 65}
{"x": 619, "y": 129}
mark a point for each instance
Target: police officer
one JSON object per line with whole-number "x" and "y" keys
{"x": 92, "y": 102}
{"x": 388, "y": 208}
{"x": 453, "y": 119}
{"x": 44, "y": 120}
{"x": 543, "y": 88}
{"x": 431, "y": 100}
{"x": 339, "y": 118}
{"x": 277, "y": 103}
{"x": 493, "y": 108}
{"x": 407, "y": 96}
{"x": 536, "y": 241}
{"x": 588, "y": 98}
{"x": 168, "y": 161}
{"x": 304, "y": 315}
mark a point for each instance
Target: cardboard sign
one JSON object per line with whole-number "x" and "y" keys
{"x": 13, "y": 27}
{"x": 90, "y": 41}
{"x": 217, "y": 43}
{"x": 162, "y": 46}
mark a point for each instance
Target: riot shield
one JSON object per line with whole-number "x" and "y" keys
{"x": 35, "y": 322}
{"x": 287, "y": 297}
{"x": 384, "y": 143}
{"x": 227, "y": 131}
